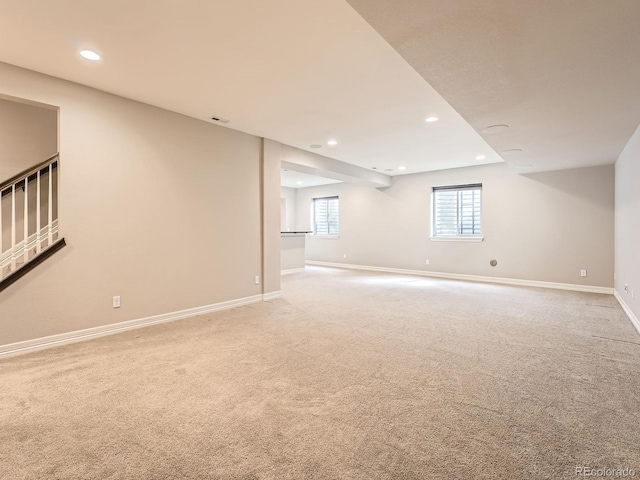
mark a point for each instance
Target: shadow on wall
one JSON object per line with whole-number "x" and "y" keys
{"x": 581, "y": 183}
{"x": 28, "y": 135}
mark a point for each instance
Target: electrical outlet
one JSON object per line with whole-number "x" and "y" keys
{"x": 257, "y": 280}
{"x": 116, "y": 302}
{"x": 626, "y": 288}
{"x": 583, "y": 273}
{"x": 426, "y": 262}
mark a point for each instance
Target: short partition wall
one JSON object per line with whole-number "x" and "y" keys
{"x": 292, "y": 251}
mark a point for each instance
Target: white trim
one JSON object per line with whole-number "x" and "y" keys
{"x": 35, "y": 240}
{"x": 291, "y": 270}
{"x": 328, "y": 236}
{"x": 459, "y": 238}
{"x": 627, "y": 310}
{"x": 471, "y": 278}
{"x": 89, "y": 333}
{"x": 271, "y": 295}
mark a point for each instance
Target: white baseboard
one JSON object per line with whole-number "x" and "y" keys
{"x": 271, "y": 295}
{"x": 88, "y": 333}
{"x": 470, "y": 278}
{"x": 627, "y": 310}
{"x": 291, "y": 270}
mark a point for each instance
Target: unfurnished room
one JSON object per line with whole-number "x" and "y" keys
{"x": 319, "y": 239}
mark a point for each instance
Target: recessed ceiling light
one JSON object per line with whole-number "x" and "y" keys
{"x": 332, "y": 142}
{"x": 431, "y": 119}
{"x": 299, "y": 183}
{"x": 388, "y": 169}
{"x": 402, "y": 167}
{"x": 512, "y": 150}
{"x": 90, "y": 55}
{"x": 495, "y": 128}
{"x": 481, "y": 157}
{"x": 374, "y": 168}
{"x": 315, "y": 145}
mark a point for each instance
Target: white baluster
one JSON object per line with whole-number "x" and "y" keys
{"x": 1, "y": 239}
{"x": 50, "y": 206}
{"x": 25, "y": 240}
{"x": 38, "y": 226}
{"x": 1, "y": 229}
{"x": 13, "y": 227}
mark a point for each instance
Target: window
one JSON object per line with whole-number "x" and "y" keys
{"x": 456, "y": 212}
{"x": 326, "y": 216}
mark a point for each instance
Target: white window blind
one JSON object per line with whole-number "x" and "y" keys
{"x": 457, "y": 210}
{"x": 326, "y": 216}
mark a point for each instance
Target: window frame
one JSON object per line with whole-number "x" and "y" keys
{"x": 313, "y": 217}
{"x": 458, "y": 237}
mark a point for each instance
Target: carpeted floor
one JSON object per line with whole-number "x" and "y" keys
{"x": 351, "y": 375}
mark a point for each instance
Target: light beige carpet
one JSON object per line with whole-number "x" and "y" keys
{"x": 350, "y": 375}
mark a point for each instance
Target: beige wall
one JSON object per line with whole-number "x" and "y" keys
{"x": 28, "y": 135}
{"x": 161, "y": 209}
{"x": 288, "y": 223}
{"x": 272, "y": 152}
{"x": 627, "y": 232}
{"x": 544, "y": 227}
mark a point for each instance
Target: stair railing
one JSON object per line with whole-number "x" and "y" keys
{"x": 28, "y": 215}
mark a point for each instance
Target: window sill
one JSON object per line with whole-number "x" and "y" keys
{"x": 458, "y": 239}
{"x": 325, "y": 236}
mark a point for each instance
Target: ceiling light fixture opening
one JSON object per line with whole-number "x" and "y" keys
{"x": 431, "y": 119}
{"x": 299, "y": 183}
{"x": 90, "y": 55}
{"x": 402, "y": 167}
{"x": 481, "y": 157}
{"x": 315, "y": 145}
{"x": 495, "y": 128}
{"x": 332, "y": 143}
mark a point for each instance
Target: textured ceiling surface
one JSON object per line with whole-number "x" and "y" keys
{"x": 298, "y": 71}
{"x": 563, "y": 75}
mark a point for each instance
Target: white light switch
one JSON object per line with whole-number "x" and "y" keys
{"x": 116, "y": 302}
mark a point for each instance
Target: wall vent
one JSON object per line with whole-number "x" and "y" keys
{"x": 220, "y": 120}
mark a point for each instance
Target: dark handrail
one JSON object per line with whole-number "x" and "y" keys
{"x": 31, "y": 264}
{"x": 28, "y": 172}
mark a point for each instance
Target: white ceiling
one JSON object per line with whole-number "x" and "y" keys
{"x": 564, "y": 75}
{"x": 291, "y": 179}
{"x": 297, "y": 71}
